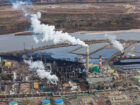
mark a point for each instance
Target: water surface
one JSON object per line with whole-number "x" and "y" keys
{"x": 12, "y": 43}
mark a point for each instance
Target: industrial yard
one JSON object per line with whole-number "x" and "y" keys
{"x": 44, "y": 65}
{"x": 107, "y": 81}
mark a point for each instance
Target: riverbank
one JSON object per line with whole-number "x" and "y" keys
{"x": 106, "y": 32}
{"x": 26, "y": 33}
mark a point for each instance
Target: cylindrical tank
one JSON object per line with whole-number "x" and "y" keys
{"x": 13, "y": 103}
{"x": 59, "y": 102}
{"x": 36, "y": 85}
{"x": 46, "y": 102}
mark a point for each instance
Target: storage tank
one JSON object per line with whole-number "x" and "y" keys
{"x": 13, "y": 103}
{"x": 46, "y": 102}
{"x": 36, "y": 85}
{"x": 59, "y": 102}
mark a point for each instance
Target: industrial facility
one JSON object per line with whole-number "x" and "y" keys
{"x": 62, "y": 77}
{"x": 45, "y": 65}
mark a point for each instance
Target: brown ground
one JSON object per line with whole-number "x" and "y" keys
{"x": 75, "y": 17}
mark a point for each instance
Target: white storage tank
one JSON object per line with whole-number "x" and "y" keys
{"x": 13, "y": 103}
{"x": 59, "y": 102}
{"x": 45, "y": 102}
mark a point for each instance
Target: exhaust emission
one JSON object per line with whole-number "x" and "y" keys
{"x": 115, "y": 43}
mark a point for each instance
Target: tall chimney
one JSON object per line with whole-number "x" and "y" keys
{"x": 87, "y": 61}
{"x": 100, "y": 62}
{"x": 41, "y": 56}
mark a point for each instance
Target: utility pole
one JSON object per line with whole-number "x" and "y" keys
{"x": 87, "y": 61}
{"x": 24, "y": 45}
{"x": 40, "y": 55}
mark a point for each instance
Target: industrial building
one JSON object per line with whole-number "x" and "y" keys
{"x": 117, "y": 98}
{"x": 75, "y": 77}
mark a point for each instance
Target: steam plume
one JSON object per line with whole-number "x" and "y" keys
{"x": 20, "y": 5}
{"x": 47, "y": 32}
{"x": 131, "y": 54}
{"x": 115, "y": 43}
{"x": 14, "y": 76}
{"x": 38, "y": 66}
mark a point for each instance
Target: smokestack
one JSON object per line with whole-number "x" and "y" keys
{"x": 100, "y": 62}
{"x": 40, "y": 56}
{"x": 87, "y": 61}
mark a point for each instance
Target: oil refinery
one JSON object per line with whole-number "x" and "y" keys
{"x": 50, "y": 80}
{"x": 42, "y": 64}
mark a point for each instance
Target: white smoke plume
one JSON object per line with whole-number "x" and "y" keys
{"x": 131, "y": 54}
{"x": 38, "y": 66}
{"x": 18, "y": 4}
{"x": 115, "y": 43}
{"x": 14, "y": 76}
{"x": 47, "y": 32}
{"x": 36, "y": 39}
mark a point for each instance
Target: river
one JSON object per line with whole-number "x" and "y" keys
{"x": 11, "y": 43}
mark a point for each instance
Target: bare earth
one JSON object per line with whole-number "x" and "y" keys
{"x": 75, "y": 17}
